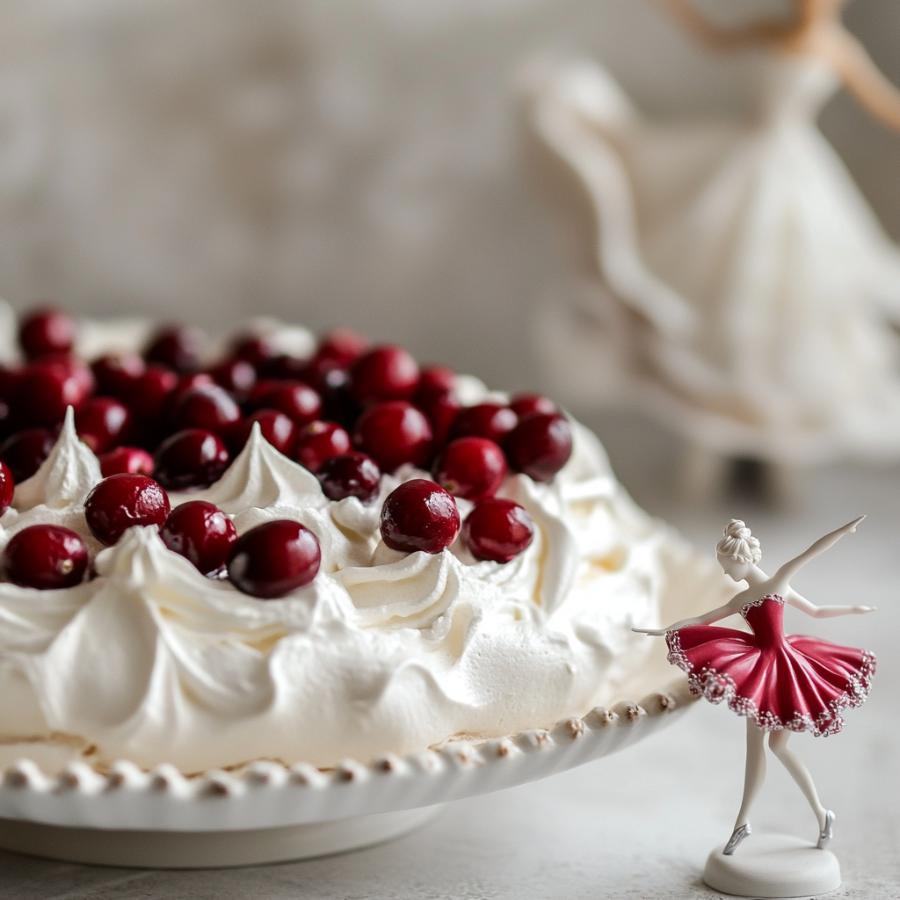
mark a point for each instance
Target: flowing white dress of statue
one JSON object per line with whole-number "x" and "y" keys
{"x": 741, "y": 287}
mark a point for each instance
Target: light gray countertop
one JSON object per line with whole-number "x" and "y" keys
{"x": 638, "y": 824}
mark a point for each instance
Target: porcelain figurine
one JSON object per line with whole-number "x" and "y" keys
{"x": 779, "y": 683}
{"x": 740, "y": 287}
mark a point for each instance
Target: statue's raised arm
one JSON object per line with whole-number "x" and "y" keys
{"x": 784, "y": 574}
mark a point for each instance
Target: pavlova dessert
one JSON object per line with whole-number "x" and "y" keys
{"x": 280, "y": 548}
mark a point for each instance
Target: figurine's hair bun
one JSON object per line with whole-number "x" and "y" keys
{"x": 739, "y": 543}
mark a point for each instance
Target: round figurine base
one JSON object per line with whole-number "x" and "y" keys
{"x": 773, "y": 865}
{"x": 207, "y": 849}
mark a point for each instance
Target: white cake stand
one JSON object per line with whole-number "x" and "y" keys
{"x": 267, "y": 812}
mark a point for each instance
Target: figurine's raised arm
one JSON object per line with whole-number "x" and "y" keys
{"x": 791, "y": 567}
{"x": 865, "y": 81}
{"x": 725, "y": 37}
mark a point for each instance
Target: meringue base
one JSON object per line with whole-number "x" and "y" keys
{"x": 208, "y": 850}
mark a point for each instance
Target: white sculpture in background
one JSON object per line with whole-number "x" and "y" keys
{"x": 740, "y": 287}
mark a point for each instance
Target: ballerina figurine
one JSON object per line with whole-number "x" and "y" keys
{"x": 780, "y": 683}
{"x": 739, "y": 286}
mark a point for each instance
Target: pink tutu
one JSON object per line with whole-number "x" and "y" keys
{"x": 795, "y": 682}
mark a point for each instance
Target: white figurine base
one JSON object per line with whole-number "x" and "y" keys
{"x": 773, "y": 865}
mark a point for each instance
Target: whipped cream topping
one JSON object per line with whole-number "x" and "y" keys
{"x": 382, "y": 652}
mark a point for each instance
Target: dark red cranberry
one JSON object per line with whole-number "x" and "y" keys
{"x": 342, "y": 346}
{"x": 190, "y": 458}
{"x": 256, "y": 349}
{"x": 176, "y": 347}
{"x": 320, "y": 441}
{"x": 284, "y": 366}
{"x": 103, "y": 423}
{"x": 126, "y": 461}
{"x": 46, "y": 390}
{"x": 7, "y": 422}
{"x": 498, "y": 530}
{"x": 46, "y": 331}
{"x": 202, "y": 533}
{"x": 275, "y": 426}
{"x": 24, "y": 453}
{"x": 384, "y": 373}
{"x": 297, "y": 400}
{"x": 540, "y": 445}
{"x": 471, "y": 467}
{"x": 148, "y": 396}
{"x": 441, "y": 408}
{"x": 208, "y": 407}
{"x": 419, "y": 515}
{"x": 488, "y": 420}
{"x": 350, "y": 475}
{"x": 274, "y": 559}
{"x": 394, "y": 433}
{"x": 435, "y": 380}
{"x": 121, "y": 502}
{"x": 7, "y": 487}
{"x": 116, "y": 373}
{"x": 325, "y": 374}
{"x": 528, "y": 404}
{"x": 46, "y": 557}
{"x": 237, "y": 376}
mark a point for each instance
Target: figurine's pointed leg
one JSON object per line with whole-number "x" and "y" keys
{"x": 754, "y": 776}
{"x": 778, "y": 744}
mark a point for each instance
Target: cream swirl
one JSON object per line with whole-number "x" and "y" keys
{"x": 383, "y": 652}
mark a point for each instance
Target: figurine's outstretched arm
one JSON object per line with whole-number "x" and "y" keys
{"x": 865, "y": 81}
{"x": 721, "y": 37}
{"x": 714, "y": 615}
{"x": 798, "y": 601}
{"x": 790, "y": 568}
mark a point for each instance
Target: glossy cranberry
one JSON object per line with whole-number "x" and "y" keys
{"x": 256, "y": 349}
{"x": 274, "y": 559}
{"x": 208, "y": 407}
{"x": 435, "y": 380}
{"x": 190, "y": 458}
{"x": 187, "y": 384}
{"x": 7, "y": 487}
{"x": 419, "y": 515}
{"x": 46, "y": 557}
{"x": 471, "y": 467}
{"x": 122, "y": 501}
{"x": 498, "y": 530}
{"x": 441, "y": 409}
{"x": 176, "y": 347}
{"x": 527, "y": 404}
{"x": 148, "y": 396}
{"x": 350, "y": 475}
{"x": 126, "y": 461}
{"x": 297, "y": 400}
{"x": 324, "y": 373}
{"x": 384, "y": 373}
{"x": 342, "y": 346}
{"x": 338, "y": 401}
{"x": 46, "y": 331}
{"x": 116, "y": 373}
{"x": 394, "y": 433}
{"x": 540, "y": 445}
{"x": 103, "y": 423}
{"x": 488, "y": 420}
{"x": 237, "y": 376}
{"x": 276, "y": 428}
{"x": 25, "y": 451}
{"x": 46, "y": 390}
{"x": 202, "y": 533}
{"x": 320, "y": 441}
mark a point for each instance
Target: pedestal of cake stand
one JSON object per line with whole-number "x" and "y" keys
{"x": 773, "y": 865}
{"x": 207, "y": 849}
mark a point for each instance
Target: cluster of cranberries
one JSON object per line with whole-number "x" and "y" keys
{"x": 163, "y": 420}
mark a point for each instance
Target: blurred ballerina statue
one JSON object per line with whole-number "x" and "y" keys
{"x": 780, "y": 683}
{"x": 745, "y": 289}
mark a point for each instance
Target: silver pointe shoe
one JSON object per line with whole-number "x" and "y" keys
{"x": 739, "y": 833}
{"x": 827, "y": 832}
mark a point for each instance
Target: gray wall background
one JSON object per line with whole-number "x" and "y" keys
{"x": 356, "y": 162}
